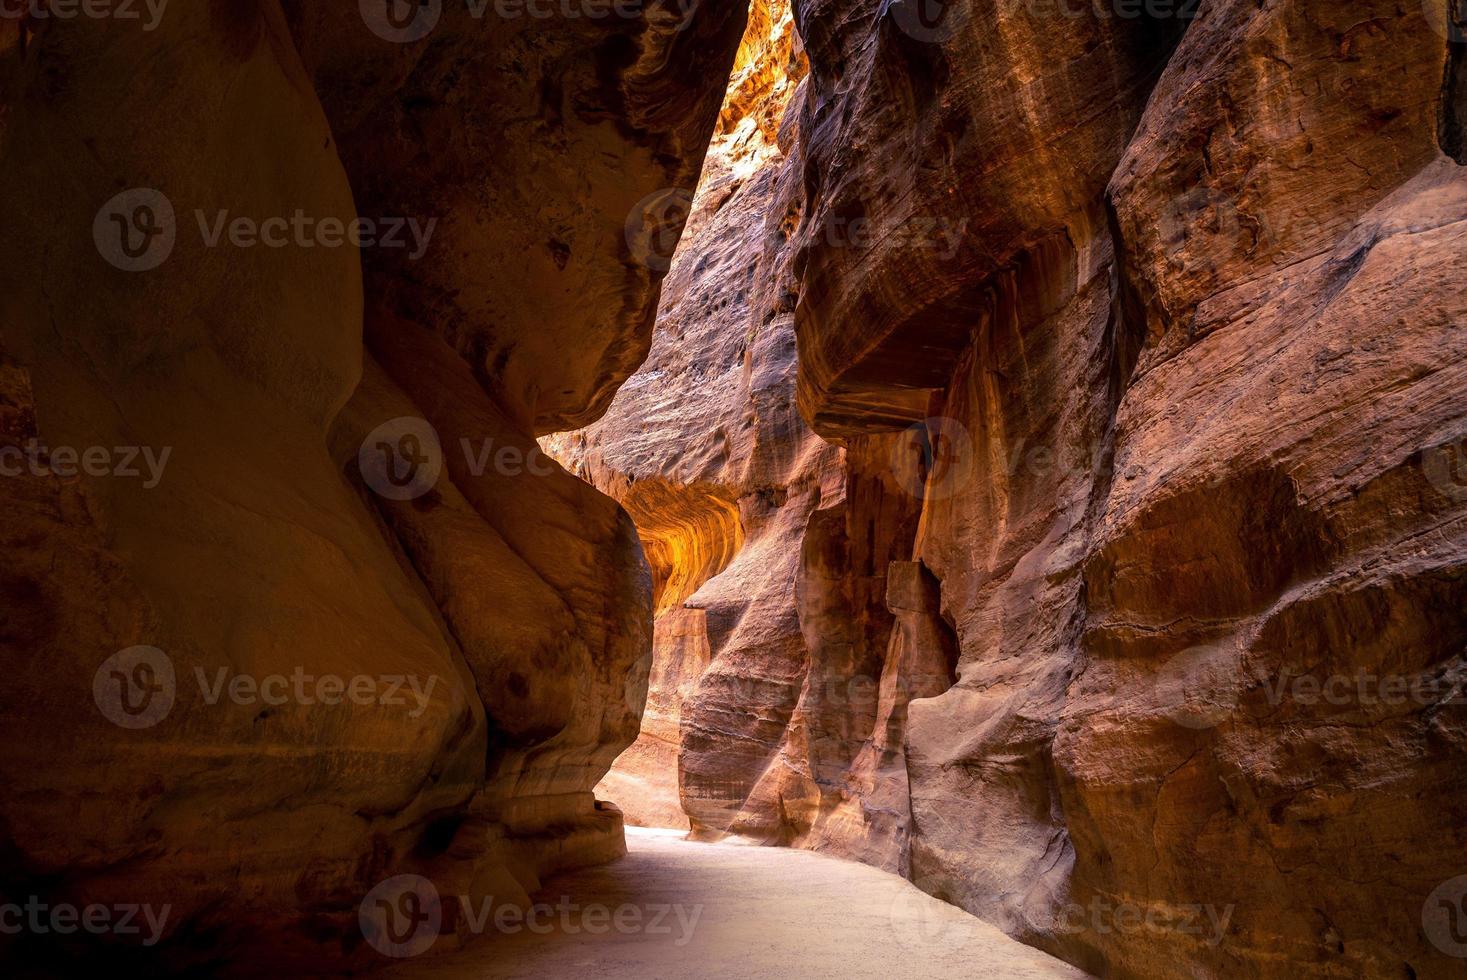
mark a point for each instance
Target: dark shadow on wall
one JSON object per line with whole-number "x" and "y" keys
{"x": 1454, "y": 86}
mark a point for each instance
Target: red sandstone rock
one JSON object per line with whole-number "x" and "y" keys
{"x": 1137, "y": 340}
{"x": 519, "y": 592}
{"x": 1184, "y": 462}
{"x": 705, "y": 448}
{"x": 1188, "y": 392}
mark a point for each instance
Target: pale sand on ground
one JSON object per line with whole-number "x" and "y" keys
{"x": 739, "y": 912}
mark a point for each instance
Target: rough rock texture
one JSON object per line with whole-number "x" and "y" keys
{"x": 1124, "y": 606}
{"x": 601, "y": 113}
{"x": 705, "y": 449}
{"x": 1142, "y": 339}
{"x": 1191, "y": 382}
{"x": 519, "y": 592}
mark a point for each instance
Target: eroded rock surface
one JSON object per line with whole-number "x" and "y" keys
{"x": 508, "y": 594}
{"x": 1135, "y": 624}
{"x": 705, "y": 448}
{"x": 1206, "y": 359}
{"x": 1048, "y": 464}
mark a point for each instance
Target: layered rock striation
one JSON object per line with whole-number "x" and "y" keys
{"x": 333, "y": 273}
{"x": 1134, "y": 623}
{"x": 1045, "y": 479}
{"x": 1191, "y": 387}
{"x": 705, "y": 448}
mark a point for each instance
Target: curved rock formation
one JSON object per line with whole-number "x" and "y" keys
{"x": 1166, "y": 376}
{"x": 192, "y": 643}
{"x": 1140, "y": 335}
{"x": 534, "y": 271}
{"x": 705, "y": 449}
{"x": 1046, "y": 474}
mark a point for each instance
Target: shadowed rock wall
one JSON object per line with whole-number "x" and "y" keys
{"x": 332, "y": 411}
{"x": 1135, "y": 623}
{"x": 1190, "y": 389}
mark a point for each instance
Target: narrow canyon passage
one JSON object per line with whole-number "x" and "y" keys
{"x": 673, "y": 908}
{"x": 734, "y": 488}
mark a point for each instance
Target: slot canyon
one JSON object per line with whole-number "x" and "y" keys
{"x": 682, "y": 488}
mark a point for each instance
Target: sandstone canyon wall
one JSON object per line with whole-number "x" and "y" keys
{"x": 1048, "y": 464}
{"x": 705, "y": 448}
{"x": 352, "y": 488}
{"x": 1137, "y": 598}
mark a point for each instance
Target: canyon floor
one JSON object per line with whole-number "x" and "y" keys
{"x": 743, "y": 911}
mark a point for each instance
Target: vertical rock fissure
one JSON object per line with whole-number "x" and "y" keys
{"x": 705, "y": 449}
{"x": 1454, "y": 85}
{"x": 1106, "y": 317}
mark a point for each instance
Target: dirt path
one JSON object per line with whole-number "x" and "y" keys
{"x": 673, "y": 909}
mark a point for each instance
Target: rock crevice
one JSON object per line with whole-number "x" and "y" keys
{"x": 1138, "y": 338}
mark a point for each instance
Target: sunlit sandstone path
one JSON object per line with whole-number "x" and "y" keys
{"x": 726, "y": 910}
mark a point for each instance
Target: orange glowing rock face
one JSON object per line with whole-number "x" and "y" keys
{"x": 1116, "y": 322}
{"x": 704, "y": 446}
{"x": 359, "y": 627}
{"x": 1046, "y": 479}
